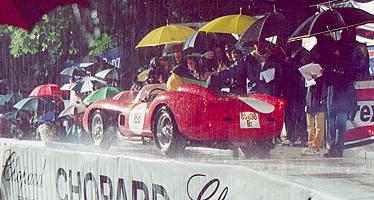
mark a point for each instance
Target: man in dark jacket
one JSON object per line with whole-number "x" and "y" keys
{"x": 294, "y": 92}
{"x": 266, "y": 57}
{"x": 342, "y": 101}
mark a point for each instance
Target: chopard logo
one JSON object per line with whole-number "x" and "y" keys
{"x": 209, "y": 191}
{"x": 15, "y": 172}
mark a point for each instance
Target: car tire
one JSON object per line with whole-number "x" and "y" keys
{"x": 257, "y": 149}
{"x": 166, "y": 133}
{"x": 100, "y": 133}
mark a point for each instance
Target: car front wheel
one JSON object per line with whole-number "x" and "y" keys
{"x": 167, "y": 136}
{"x": 99, "y": 131}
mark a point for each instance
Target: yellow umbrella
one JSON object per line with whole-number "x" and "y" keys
{"x": 142, "y": 76}
{"x": 236, "y": 24}
{"x": 168, "y": 34}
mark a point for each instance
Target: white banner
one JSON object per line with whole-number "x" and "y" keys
{"x": 40, "y": 173}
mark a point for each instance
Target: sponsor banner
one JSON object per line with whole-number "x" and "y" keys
{"x": 364, "y": 115}
{"x": 114, "y": 56}
{"x": 361, "y": 128}
{"x": 40, "y": 173}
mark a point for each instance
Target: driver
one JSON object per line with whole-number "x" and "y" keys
{"x": 190, "y": 73}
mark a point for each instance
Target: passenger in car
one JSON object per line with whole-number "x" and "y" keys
{"x": 178, "y": 58}
{"x": 233, "y": 77}
{"x": 192, "y": 72}
{"x": 164, "y": 69}
{"x": 228, "y": 49}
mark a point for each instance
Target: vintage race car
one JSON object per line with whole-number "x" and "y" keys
{"x": 193, "y": 115}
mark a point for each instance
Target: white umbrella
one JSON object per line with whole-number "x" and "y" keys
{"x": 68, "y": 86}
{"x": 86, "y": 84}
{"x": 73, "y": 109}
{"x": 108, "y": 74}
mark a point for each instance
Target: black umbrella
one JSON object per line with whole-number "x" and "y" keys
{"x": 200, "y": 41}
{"x": 331, "y": 20}
{"x": 74, "y": 70}
{"x": 274, "y": 24}
{"x": 108, "y": 74}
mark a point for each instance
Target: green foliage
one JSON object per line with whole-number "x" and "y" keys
{"x": 51, "y": 42}
{"x": 44, "y": 38}
{"x": 99, "y": 45}
{"x": 22, "y": 42}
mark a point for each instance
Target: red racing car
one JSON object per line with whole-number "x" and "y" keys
{"x": 191, "y": 116}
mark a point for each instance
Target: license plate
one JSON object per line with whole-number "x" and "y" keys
{"x": 249, "y": 120}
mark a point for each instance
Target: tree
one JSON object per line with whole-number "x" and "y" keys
{"x": 45, "y": 49}
{"x": 100, "y": 45}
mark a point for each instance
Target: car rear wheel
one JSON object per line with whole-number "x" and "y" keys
{"x": 167, "y": 136}
{"x": 257, "y": 149}
{"x": 100, "y": 135}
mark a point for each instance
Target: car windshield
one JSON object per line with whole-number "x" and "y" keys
{"x": 147, "y": 89}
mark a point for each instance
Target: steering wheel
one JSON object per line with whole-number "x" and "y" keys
{"x": 151, "y": 96}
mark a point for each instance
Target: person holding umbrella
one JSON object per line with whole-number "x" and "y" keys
{"x": 50, "y": 127}
{"x": 47, "y": 131}
{"x": 342, "y": 101}
{"x": 75, "y": 132}
{"x": 74, "y": 96}
{"x": 317, "y": 94}
{"x": 294, "y": 93}
{"x": 268, "y": 59}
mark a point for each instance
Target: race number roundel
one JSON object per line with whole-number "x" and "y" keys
{"x": 136, "y": 118}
